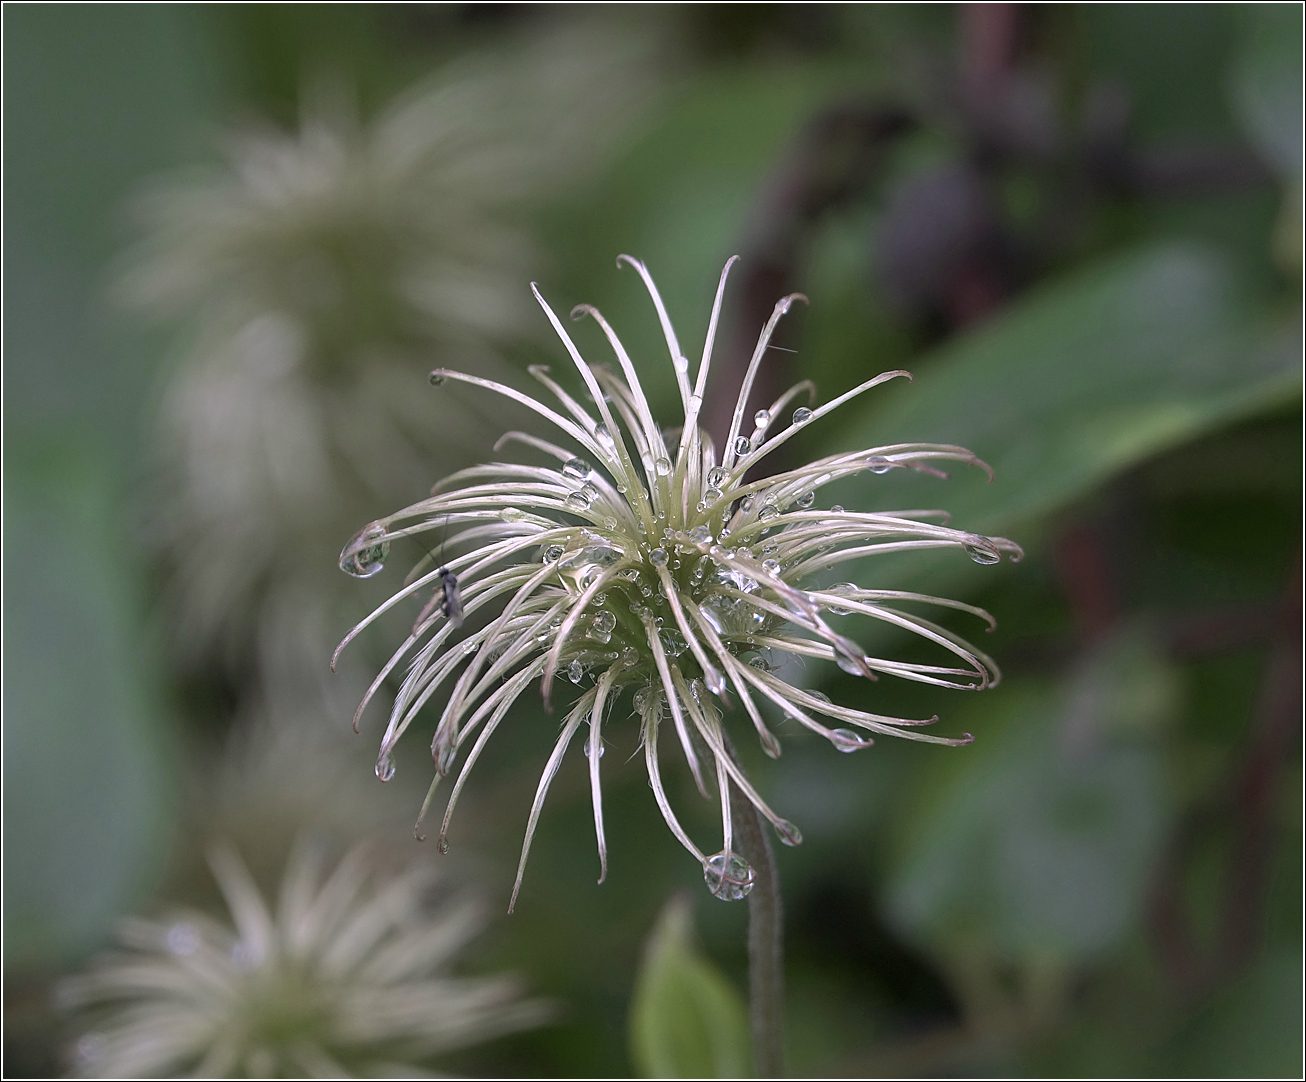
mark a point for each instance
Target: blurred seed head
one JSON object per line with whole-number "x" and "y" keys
{"x": 317, "y": 274}
{"x": 348, "y": 975}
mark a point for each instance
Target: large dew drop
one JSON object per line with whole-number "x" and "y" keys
{"x": 365, "y": 553}
{"x": 980, "y": 549}
{"x": 577, "y": 468}
{"x": 848, "y": 741}
{"x": 848, "y": 664}
{"x": 385, "y": 767}
{"x": 788, "y": 833}
{"x": 878, "y": 464}
{"x": 802, "y": 415}
{"x": 742, "y": 446}
{"x": 728, "y": 876}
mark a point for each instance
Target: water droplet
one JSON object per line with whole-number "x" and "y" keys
{"x": 837, "y": 508}
{"x": 586, "y": 748}
{"x": 512, "y": 514}
{"x": 716, "y": 477}
{"x": 709, "y": 497}
{"x": 772, "y": 566}
{"x": 712, "y": 618}
{"x": 848, "y": 664}
{"x": 728, "y": 876}
{"x": 628, "y": 574}
{"x": 847, "y": 741}
{"x": 802, "y": 415}
{"x": 742, "y": 446}
{"x": 435, "y": 379}
{"x": 788, "y": 833}
{"x": 672, "y": 643}
{"x": 578, "y": 501}
{"x": 601, "y": 627}
{"x": 183, "y": 939}
{"x": 365, "y": 553}
{"x": 681, "y": 363}
{"x": 658, "y": 557}
{"x": 766, "y": 511}
{"x": 602, "y": 434}
{"x": 806, "y": 500}
{"x": 576, "y": 468}
{"x": 442, "y": 846}
{"x": 602, "y": 554}
{"x": 575, "y": 671}
{"x": 878, "y": 464}
{"x": 552, "y": 553}
{"x": 762, "y": 418}
{"x": 663, "y": 468}
{"x": 701, "y": 534}
{"x": 980, "y": 549}
{"x": 385, "y": 767}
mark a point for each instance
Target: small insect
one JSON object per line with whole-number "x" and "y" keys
{"x": 447, "y": 596}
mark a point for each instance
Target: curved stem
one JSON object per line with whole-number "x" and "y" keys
{"x": 765, "y": 939}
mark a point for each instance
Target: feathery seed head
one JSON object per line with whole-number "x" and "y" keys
{"x": 346, "y": 974}
{"x": 646, "y": 561}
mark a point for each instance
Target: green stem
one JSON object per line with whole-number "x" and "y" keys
{"x": 765, "y": 939}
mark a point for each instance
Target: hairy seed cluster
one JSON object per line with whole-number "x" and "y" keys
{"x": 641, "y": 559}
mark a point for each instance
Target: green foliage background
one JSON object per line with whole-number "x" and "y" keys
{"x": 1108, "y": 882}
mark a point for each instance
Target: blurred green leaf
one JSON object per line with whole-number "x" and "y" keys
{"x": 1043, "y": 845}
{"x": 1251, "y": 1030}
{"x": 1266, "y": 83}
{"x": 88, "y": 777}
{"x": 1079, "y": 380}
{"x": 687, "y": 1021}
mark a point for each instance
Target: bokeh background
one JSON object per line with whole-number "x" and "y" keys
{"x": 236, "y": 240}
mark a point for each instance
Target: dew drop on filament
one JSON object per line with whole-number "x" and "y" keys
{"x": 802, "y": 415}
{"x": 980, "y": 549}
{"x": 847, "y": 741}
{"x": 788, "y": 833}
{"x": 728, "y": 876}
{"x": 365, "y": 553}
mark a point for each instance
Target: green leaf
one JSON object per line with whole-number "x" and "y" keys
{"x": 687, "y": 1020}
{"x": 1081, "y": 379}
{"x": 1250, "y": 1030}
{"x": 89, "y": 774}
{"x": 1266, "y": 84}
{"x": 1044, "y": 845}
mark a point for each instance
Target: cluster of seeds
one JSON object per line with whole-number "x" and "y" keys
{"x": 651, "y": 565}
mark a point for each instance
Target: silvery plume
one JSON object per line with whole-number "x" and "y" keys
{"x": 347, "y": 976}
{"x": 624, "y": 557}
{"x": 315, "y": 273}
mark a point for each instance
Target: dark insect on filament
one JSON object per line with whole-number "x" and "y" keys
{"x": 448, "y": 596}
